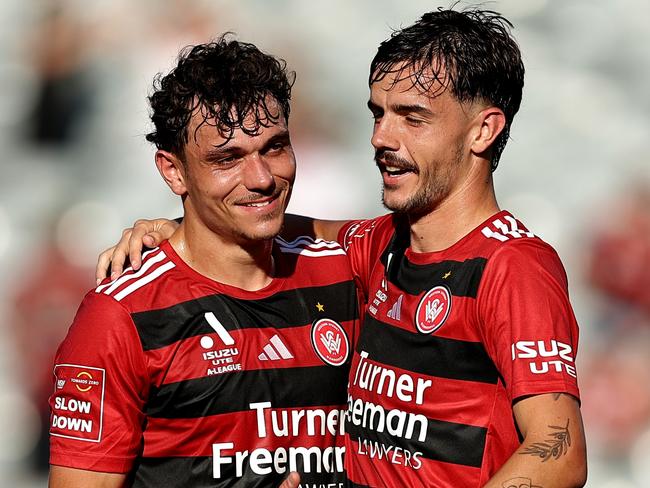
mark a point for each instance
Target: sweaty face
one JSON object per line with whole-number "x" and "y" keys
{"x": 240, "y": 189}
{"x": 420, "y": 144}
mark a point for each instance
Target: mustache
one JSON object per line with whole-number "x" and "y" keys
{"x": 384, "y": 157}
{"x": 275, "y": 192}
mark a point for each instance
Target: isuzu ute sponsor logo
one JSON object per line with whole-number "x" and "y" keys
{"x": 545, "y": 356}
{"x": 433, "y": 309}
{"x": 222, "y": 360}
{"x": 330, "y": 342}
{"x": 78, "y": 402}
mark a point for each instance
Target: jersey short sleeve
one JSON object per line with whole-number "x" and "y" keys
{"x": 530, "y": 328}
{"x": 100, "y": 385}
{"x": 362, "y": 241}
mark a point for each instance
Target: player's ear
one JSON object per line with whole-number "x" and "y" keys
{"x": 172, "y": 170}
{"x": 489, "y": 124}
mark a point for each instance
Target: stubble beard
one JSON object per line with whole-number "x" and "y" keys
{"x": 425, "y": 198}
{"x": 252, "y": 235}
{"x": 260, "y": 235}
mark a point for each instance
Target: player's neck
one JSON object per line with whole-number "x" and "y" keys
{"x": 249, "y": 267}
{"x": 455, "y": 217}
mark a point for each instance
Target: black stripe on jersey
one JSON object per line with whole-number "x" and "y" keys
{"x": 445, "y": 441}
{"x": 427, "y": 354}
{"x": 182, "y": 472}
{"x": 413, "y": 278}
{"x": 234, "y": 392}
{"x": 160, "y": 328}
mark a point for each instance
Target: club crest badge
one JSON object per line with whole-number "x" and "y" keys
{"x": 433, "y": 309}
{"x": 330, "y": 341}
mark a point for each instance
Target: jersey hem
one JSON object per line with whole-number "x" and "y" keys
{"x": 530, "y": 388}
{"x": 100, "y": 463}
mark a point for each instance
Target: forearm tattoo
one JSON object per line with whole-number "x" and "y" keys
{"x": 555, "y": 446}
{"x": 520, "y": 483}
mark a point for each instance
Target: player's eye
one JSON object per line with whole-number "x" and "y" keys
{"x": 413, "y": 121}
{"x": 277, "y": 146}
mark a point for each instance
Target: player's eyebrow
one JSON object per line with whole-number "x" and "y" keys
{"x": 373, "y": 107}
{"x": 281, "y": 137}
{"x": 411, "y": 108}
{"x": 219, "y": 152}
{"x": 216, "y": 153}
{"x": 402, "y": 109}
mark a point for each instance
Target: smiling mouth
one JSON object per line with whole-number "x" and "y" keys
{"x": 395, "y": 170}
{"x": 260, "y": 201}
{"x": 393, "y": 165}
{"x": 258, "y": 204}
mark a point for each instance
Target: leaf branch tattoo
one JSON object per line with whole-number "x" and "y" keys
{"x": 554, "y": 447}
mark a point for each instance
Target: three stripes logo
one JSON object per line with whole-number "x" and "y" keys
{"x": 503, "y": 231}
{"x": 153, "y": 266}
{"x": 395, "y": 312}
{"x": 275, "y": 350}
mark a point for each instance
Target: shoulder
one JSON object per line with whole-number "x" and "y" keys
{"x": 102, "y": 325}
{"x": 369, "y": 230}
{"x": 133, "y": 289}
{"x": 508, "y": 236}
{"x": 506, "y": 228}
{"x": 309, "y": 247}
{"x": 513, "y": 249}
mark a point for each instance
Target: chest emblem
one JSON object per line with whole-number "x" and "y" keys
{"x": 433, "y": 309}
{"x": 330, "y": 341}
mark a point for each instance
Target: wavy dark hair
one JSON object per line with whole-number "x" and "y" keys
{"x": 470, "y": 52}
{"x": 226, "y": 80}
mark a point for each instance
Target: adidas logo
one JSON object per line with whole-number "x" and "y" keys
{"x": 395, "y": 312}
{"x": 275, "y": 350}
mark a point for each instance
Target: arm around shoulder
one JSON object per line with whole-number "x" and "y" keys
{"x": 299, "y": 225}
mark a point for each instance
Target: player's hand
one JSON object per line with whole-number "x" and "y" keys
{"x": 147, "y": 233}
{"x": 291, "y": 481}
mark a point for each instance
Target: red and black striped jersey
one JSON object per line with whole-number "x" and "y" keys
{"x": 183, "y": 381}
{"x": 449, "y": 341}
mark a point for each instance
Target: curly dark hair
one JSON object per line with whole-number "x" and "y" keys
{"x": 471, "y": 52}
{"x": 226, "y": 80}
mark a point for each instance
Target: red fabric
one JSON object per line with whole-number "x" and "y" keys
{"x": 520, "y": 316}
{"x": 147, "y": 336}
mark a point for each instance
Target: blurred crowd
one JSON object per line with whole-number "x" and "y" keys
{"x": 75, "y": 168}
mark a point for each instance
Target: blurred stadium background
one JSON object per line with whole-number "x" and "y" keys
{"x": 75, "y": 170}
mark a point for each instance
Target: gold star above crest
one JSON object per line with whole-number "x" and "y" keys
{"x": 446, "y": 275}
{"x": 320, "y": 307}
